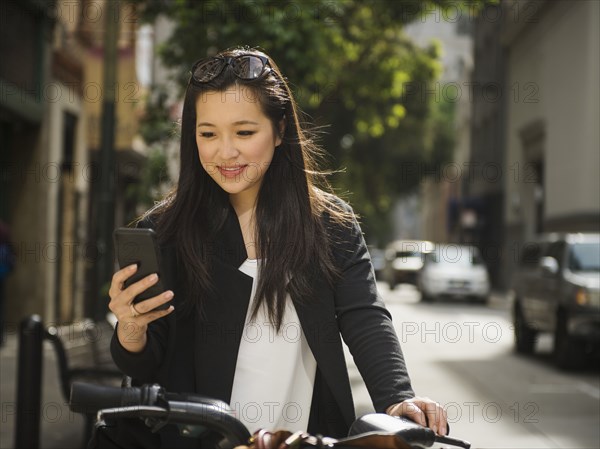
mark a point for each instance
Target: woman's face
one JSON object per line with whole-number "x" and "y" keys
{"x": 235, "y": 140}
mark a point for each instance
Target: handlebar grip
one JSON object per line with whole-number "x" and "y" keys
{"x": 406, "y": 429}
{"x": 89, "y": 398}
{"x": 191, "y": 409}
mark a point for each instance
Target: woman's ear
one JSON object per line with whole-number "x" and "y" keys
{"x": 281, "y": 129}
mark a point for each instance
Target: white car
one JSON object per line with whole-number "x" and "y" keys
{"x": 453, "y": 271}
{"x": 403, "y": 260}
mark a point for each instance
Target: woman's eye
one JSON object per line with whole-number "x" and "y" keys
{"x": 206, "y": 134}
{"x": 246, "y": 133}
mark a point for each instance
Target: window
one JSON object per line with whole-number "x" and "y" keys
{"x": 460, "y": 255}
{"x": 584, "y": 257}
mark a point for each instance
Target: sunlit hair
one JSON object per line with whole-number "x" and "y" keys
{"x": 290, "y": 211}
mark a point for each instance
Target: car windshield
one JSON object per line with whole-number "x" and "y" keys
{"x": 584, "y": 257}
{"x": 455, "y": 255}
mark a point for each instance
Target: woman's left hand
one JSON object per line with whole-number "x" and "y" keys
{"x": 423, "y": 411}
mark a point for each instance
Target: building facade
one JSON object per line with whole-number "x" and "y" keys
{"x": 527, "y": 138}
{"x": 50, "y": 96}
{"x": 552, "y": 180}
{"x": 534, "y": 136}
{"x": 31, "y": 172}
{"x": 481, "y": 206}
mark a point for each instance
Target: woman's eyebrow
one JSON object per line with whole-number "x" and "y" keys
{"x": 239, "y": 122}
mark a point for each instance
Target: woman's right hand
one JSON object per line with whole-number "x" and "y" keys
{"x": 133, "y": 321}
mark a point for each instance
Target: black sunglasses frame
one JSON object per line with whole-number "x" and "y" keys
{"x": 231, "y": 61}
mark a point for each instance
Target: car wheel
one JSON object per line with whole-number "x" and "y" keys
{"x": 483, "y": 300}
{"x": 426, "y": 298}
{"x": 525, "y": 335}
{"x": 568, "y": 352}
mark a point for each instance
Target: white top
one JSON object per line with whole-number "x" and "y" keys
{"x": 275, "y": 372}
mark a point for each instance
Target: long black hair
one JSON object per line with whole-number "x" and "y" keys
{"x": 290, "y": 235}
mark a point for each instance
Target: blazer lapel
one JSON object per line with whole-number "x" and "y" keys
{"x": 318, "y": 320}
{"x": 219, "y": 330}
{"x": 228, "y": 244}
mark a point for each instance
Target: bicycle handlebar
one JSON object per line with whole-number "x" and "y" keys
{"x": 410, "y": 431}
{"x": 152, "y": 401}
{"x": 90, "y": 398}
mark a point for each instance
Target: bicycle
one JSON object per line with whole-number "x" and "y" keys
{"x": 198, "y": 415}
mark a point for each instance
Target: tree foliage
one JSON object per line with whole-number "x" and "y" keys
{"x": 357, "y": 76}
{"x": 151, "y": 183}
{"x": 157, "y": 130}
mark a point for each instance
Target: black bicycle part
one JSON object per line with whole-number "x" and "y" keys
{"x": 409, "y": 431}
{"x": 193, "y": 413}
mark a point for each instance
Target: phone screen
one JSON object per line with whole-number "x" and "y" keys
{"x": 139, "y": 246}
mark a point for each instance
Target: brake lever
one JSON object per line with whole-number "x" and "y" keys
{"x": 453, "y": 441}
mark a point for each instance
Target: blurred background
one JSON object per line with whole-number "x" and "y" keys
{"x": 474, "y": 124}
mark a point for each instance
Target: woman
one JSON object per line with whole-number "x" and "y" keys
{"x": 266, "y": 272}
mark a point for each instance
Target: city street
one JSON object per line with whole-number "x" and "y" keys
{"x": 461, "y": 136}
{"x": 461, "y": 355}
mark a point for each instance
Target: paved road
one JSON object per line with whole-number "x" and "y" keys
{"x": 461, "y": 355}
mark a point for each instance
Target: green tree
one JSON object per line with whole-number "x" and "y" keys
{"x": 354, "y": 72}
{"x": 156, "y": 129}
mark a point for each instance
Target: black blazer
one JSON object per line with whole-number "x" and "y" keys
{"x": 193, "y": 354}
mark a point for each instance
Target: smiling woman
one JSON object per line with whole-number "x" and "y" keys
{"x": 268, "y": 271}
{"x": 236, "y": 142}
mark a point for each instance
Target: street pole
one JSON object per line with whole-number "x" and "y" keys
{"x": 108, "y": 173}
{"x": 29, "y": 383}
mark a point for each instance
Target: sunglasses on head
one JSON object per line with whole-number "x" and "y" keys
{"x": 245, "y": 66}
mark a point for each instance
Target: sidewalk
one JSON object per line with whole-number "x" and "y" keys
{"x": 59, "y": 428}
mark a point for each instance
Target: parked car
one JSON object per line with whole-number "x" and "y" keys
{"x": 378, "y": 261}
{"x": 557, "y": 289}
{"x": 454, "y": 271}
{"x": 403, "y": 260}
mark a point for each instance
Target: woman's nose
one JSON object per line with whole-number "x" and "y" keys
{"x": 228, "y": 149}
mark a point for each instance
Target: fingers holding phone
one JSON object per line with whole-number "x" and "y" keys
{"x": 123, "y": 299}
{"x": 134, "y": 318}
{"x": 138, "y": 294}
{"x": 152, "y": 305}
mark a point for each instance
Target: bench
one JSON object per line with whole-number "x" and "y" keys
{"x": 83, "y": 354}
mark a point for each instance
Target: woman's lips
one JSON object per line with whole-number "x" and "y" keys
{"x": 232, "y": 172}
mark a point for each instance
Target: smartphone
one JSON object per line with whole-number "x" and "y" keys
{"x": 140, "y": 246}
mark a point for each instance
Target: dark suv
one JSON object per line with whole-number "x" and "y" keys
{"x": 557, "y": 289}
